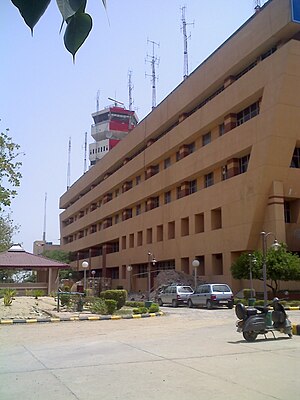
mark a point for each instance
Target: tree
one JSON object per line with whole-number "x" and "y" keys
{"x": 281, "y": 266}
{"x": 9, "y": 169}
{"x": 61, "y": 256}
{"x": 7, "y": 230}
{"x": 58, "y": 255}
{"x": 79, "y": 23}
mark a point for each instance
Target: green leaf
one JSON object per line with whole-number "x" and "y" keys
{"x": 78, "y": 29}
{"x": 68, "y": 8}
{"x": 31, "y": 10}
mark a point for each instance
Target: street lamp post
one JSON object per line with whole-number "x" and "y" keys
{"x": 93, "y": 275}
{"x": 129, "y": 269}
{"x": 151, "y": 259}
{"x": 195, "y": 264}
{"x": 85, "y": 265}
{"x": 252, "y": 259}
{"x": 275, "y": 245}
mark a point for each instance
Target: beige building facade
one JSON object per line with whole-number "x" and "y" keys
{"x": 211, "y": 167}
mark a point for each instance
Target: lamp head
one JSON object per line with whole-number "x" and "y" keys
{"x": 195, "y": 263}
{"x": 276, "y": 245}
{"x": 85, "y": 264}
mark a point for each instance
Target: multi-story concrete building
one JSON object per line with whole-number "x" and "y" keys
{"x": 210, "y": 168}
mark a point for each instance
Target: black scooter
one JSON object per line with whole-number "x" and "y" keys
{"x": 259, "y": 320}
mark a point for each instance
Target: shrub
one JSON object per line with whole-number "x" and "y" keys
{"x": 37, "y": 293}
{"x": 135, "y": 304}
{"x": 8, "y": 295}
{"x": 65, "y": 299}
{"x": 153, "y": 308}
{"x": 111, "y": 306}
{"x": 118, "y": 295}
{"x": 98, "y": 306}
{"x": 140, "y": 310}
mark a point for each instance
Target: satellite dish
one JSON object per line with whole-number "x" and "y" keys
{"x": 108, "y": 135}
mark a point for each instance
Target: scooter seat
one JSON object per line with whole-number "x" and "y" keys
{"x": 251, "y": 311}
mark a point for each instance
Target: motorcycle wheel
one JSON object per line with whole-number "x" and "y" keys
{"x": 250, "y": 336}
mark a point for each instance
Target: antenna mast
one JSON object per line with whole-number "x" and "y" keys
{"x": 45, "y": 208}
{"x": 97, "y": 100}
{"x": 185, "y": 47}
{"x": 69, "y": 165}
{"x": 130, "y": 89}
{"x": 153, "y": 60}
{"x": 85, "y": 152}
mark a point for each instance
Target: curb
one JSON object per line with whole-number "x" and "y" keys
{"x": 16, "y": 321}
{"x": 296, "y": 329}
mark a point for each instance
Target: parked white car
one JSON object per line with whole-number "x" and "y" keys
{"x": 211, "y": 295}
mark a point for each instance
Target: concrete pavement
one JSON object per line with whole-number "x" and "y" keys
{"x": 189, "y": 353}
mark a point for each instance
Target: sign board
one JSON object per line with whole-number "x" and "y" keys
{"x": 295, "y": 6}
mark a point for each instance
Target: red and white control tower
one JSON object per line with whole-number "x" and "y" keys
{"x": 110, "y": 126}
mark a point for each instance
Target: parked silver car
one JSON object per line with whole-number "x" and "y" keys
{"x": 175, "y": 295}
{"x": 211, "y": 295}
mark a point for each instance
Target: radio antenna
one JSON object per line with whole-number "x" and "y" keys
{"x": 153, "y": 60}
{"x": 185, "y": 39}
{"x": 130, "y": 89}
{"x": 69, "y": 165}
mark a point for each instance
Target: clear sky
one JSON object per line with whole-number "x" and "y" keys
{"x": 45, "y": 98}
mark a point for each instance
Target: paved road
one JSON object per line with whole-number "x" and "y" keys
{"x": 188, "y": 354}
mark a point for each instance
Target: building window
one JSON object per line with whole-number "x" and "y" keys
{"x": 217, "y": 264}
{"x": 140, "y": 238}
{"x": 247, "y": 113}
{"x": 138, "y": 180}
{"x": 178, "y": 192}
{"x": 185, "y": 226}
{"x": 142, "y": 270}
{"x": 243, "y": 163}
{"x": 117, "y": 219}
{"x": 168, "y": 197}
{"x": 160, "y": 233}
{"x": 131, "y": 240}
{"x": 216, "y": 219}
{"x": 224, "y": 170}
{"x": 155, "y": 202}
{"x": 199, "y": 223}
{"x": 114, "y": 273}
{"x": 221, "y": 129}
{"x": 167, "y": 163}
{"x": 193, "y": 186}
{"x": 192, "y": 147}
{"x": 171, "y": 230}
{"x": 138, "y": 209}
{"x": 149, "y": 235}
{"x": 177, "y": 156}
{"x": 206, "y": 139}
{"x": 287, "y": 212}
{"x": 209, "y": 179}
{"x": 295, "y": 163}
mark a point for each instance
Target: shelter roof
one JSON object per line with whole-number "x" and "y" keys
{"x": 17, "y": 257}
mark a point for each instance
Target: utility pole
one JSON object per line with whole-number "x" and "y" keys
{"x": 85, "y": 152}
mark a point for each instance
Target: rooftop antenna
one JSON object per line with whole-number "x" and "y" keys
{"x": 97, "y": 100}
{"x": 69, "y": 165}
{"x": 45, "y": 208}
{"x": 130, "y": 89}
{"x": 85, "y": 152}
{"x": 257, "y": 5}
{"x": 153, "y": 60}
{"x": 185, "y": 39}
{"x": 116, "y": 102}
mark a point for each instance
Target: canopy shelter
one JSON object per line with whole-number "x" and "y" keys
{"x": 16, "y": 258}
